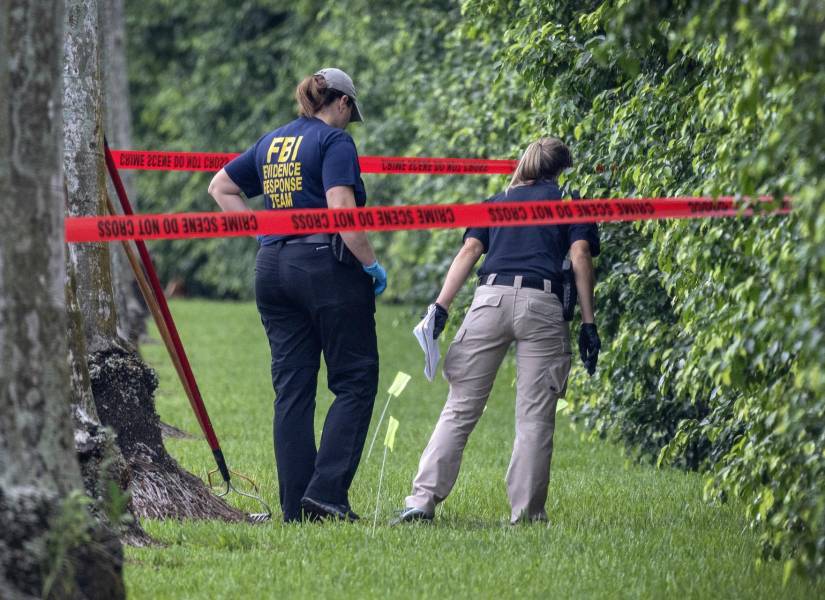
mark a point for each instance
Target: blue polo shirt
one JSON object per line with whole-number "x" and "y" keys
{"x": 534, "y": 250}
{"x": 295, "y": 165}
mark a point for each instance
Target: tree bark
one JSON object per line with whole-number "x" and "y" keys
{"x": 100, "y": 458}
{"x": 101, "y": 461}
{"x": 50, "y": 546}
{"x": 85, "y": 177}
{"x": 131, "y": 310}
{"x": 122, "y": 385}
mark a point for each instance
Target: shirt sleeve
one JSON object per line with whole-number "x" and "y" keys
{"x": 243, "y": 171}
{"x": 340, "y": 163}
{"x": 589, "y": 232}
{"x": 482, "y": 234}
{"x": 585, "y": 231}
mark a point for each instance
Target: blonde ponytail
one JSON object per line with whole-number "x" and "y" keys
{"x": 543, "y": 159}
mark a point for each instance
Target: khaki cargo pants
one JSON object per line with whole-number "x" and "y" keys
{"x": 498, "y": 316}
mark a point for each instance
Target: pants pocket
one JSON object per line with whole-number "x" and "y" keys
{"x": 451, "y": 358}
{"x": 331, "y": 282}
{"x": 546, "y": 311}
{"x": 559, "y": 370}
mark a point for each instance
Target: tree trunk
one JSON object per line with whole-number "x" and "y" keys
{"x": 101, "y": 461}
{"x": 122, "y": 385}
{"x": 131, "y": 310}
{"x": 85, "y": 177}
{"x": 50, "y": 546}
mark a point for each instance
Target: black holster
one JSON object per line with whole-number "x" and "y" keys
{"x": 568, "y": 290}
{"x": 341, "y": 252}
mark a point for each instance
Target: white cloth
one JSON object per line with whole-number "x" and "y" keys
{"x": 423, "y": 332}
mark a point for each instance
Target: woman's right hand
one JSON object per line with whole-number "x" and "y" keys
{"x": 441, "y": 315}
{"x": 379, "y": 277}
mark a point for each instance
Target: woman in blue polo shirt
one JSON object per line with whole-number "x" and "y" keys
{"x": 314, "y": 293}
{"x": 517, "y": 300}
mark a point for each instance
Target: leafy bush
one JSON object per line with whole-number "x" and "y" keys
{"x": 714, "y": 329}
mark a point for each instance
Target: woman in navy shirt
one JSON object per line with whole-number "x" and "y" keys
{"x": 517, "y": 300}
{"x": 314, "y": 293}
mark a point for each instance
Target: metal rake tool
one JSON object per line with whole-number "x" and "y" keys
{"x": 261, "y": 517}
{"x": 149, "y": 284}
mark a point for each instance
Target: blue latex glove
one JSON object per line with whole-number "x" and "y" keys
{"x": 379, "y": 277}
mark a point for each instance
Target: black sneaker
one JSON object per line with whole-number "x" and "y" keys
{"x": 411, "y": 514}
{"x": 318, "y": 509}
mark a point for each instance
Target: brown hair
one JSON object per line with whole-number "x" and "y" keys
{"x": 313, "y": 94}
{"x": 544, "y": 159}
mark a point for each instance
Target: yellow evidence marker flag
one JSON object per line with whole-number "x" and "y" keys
{"x": 399, "y": 383}
{"x": 392, "y": 427}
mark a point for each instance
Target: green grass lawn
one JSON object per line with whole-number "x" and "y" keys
{"x": 616, "y": 529}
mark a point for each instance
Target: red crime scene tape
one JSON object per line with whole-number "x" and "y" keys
{"x": 394, "y": 218}
{"x": 150, "y": 160}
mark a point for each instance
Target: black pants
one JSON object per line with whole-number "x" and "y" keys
{"x": 310, "y": 303}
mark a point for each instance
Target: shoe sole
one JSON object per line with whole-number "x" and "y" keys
{"x": 417, "y": 518}
{"x": 316, "y": 512}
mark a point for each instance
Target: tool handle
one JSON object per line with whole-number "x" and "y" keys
{"x": 221, "y": 462}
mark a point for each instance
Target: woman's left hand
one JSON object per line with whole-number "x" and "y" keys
{"x": 589, "y": 346}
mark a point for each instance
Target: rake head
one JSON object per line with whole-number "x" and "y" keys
{"x": 260, "y": 517}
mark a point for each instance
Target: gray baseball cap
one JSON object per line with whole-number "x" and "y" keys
{"x": 338, "y": 80}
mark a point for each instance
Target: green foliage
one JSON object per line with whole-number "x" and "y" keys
{"x": 204, "y": 76}
{"x": 114, "y": 502}
{"x": 713, "y": 331}
{"x": 207, "y": 76}
{"x": 71, "y": 529}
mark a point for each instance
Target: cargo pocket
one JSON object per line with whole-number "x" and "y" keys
{"x": 451, "y": 357}
{"x": 480, "y": 301}
{"x": 558, "y": 370}
{"x": 480, "y": 308}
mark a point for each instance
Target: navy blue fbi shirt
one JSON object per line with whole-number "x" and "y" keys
{"x": 295, "y": 165}
{"x": 534, "y": 250}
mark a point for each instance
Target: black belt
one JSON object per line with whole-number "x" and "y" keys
{"x": 536, "y": 283}
{"x": 315, "y": 238}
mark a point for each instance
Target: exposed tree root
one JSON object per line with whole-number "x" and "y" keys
{"x": 123, "y": 388}
{"x": 167, "y": 491}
